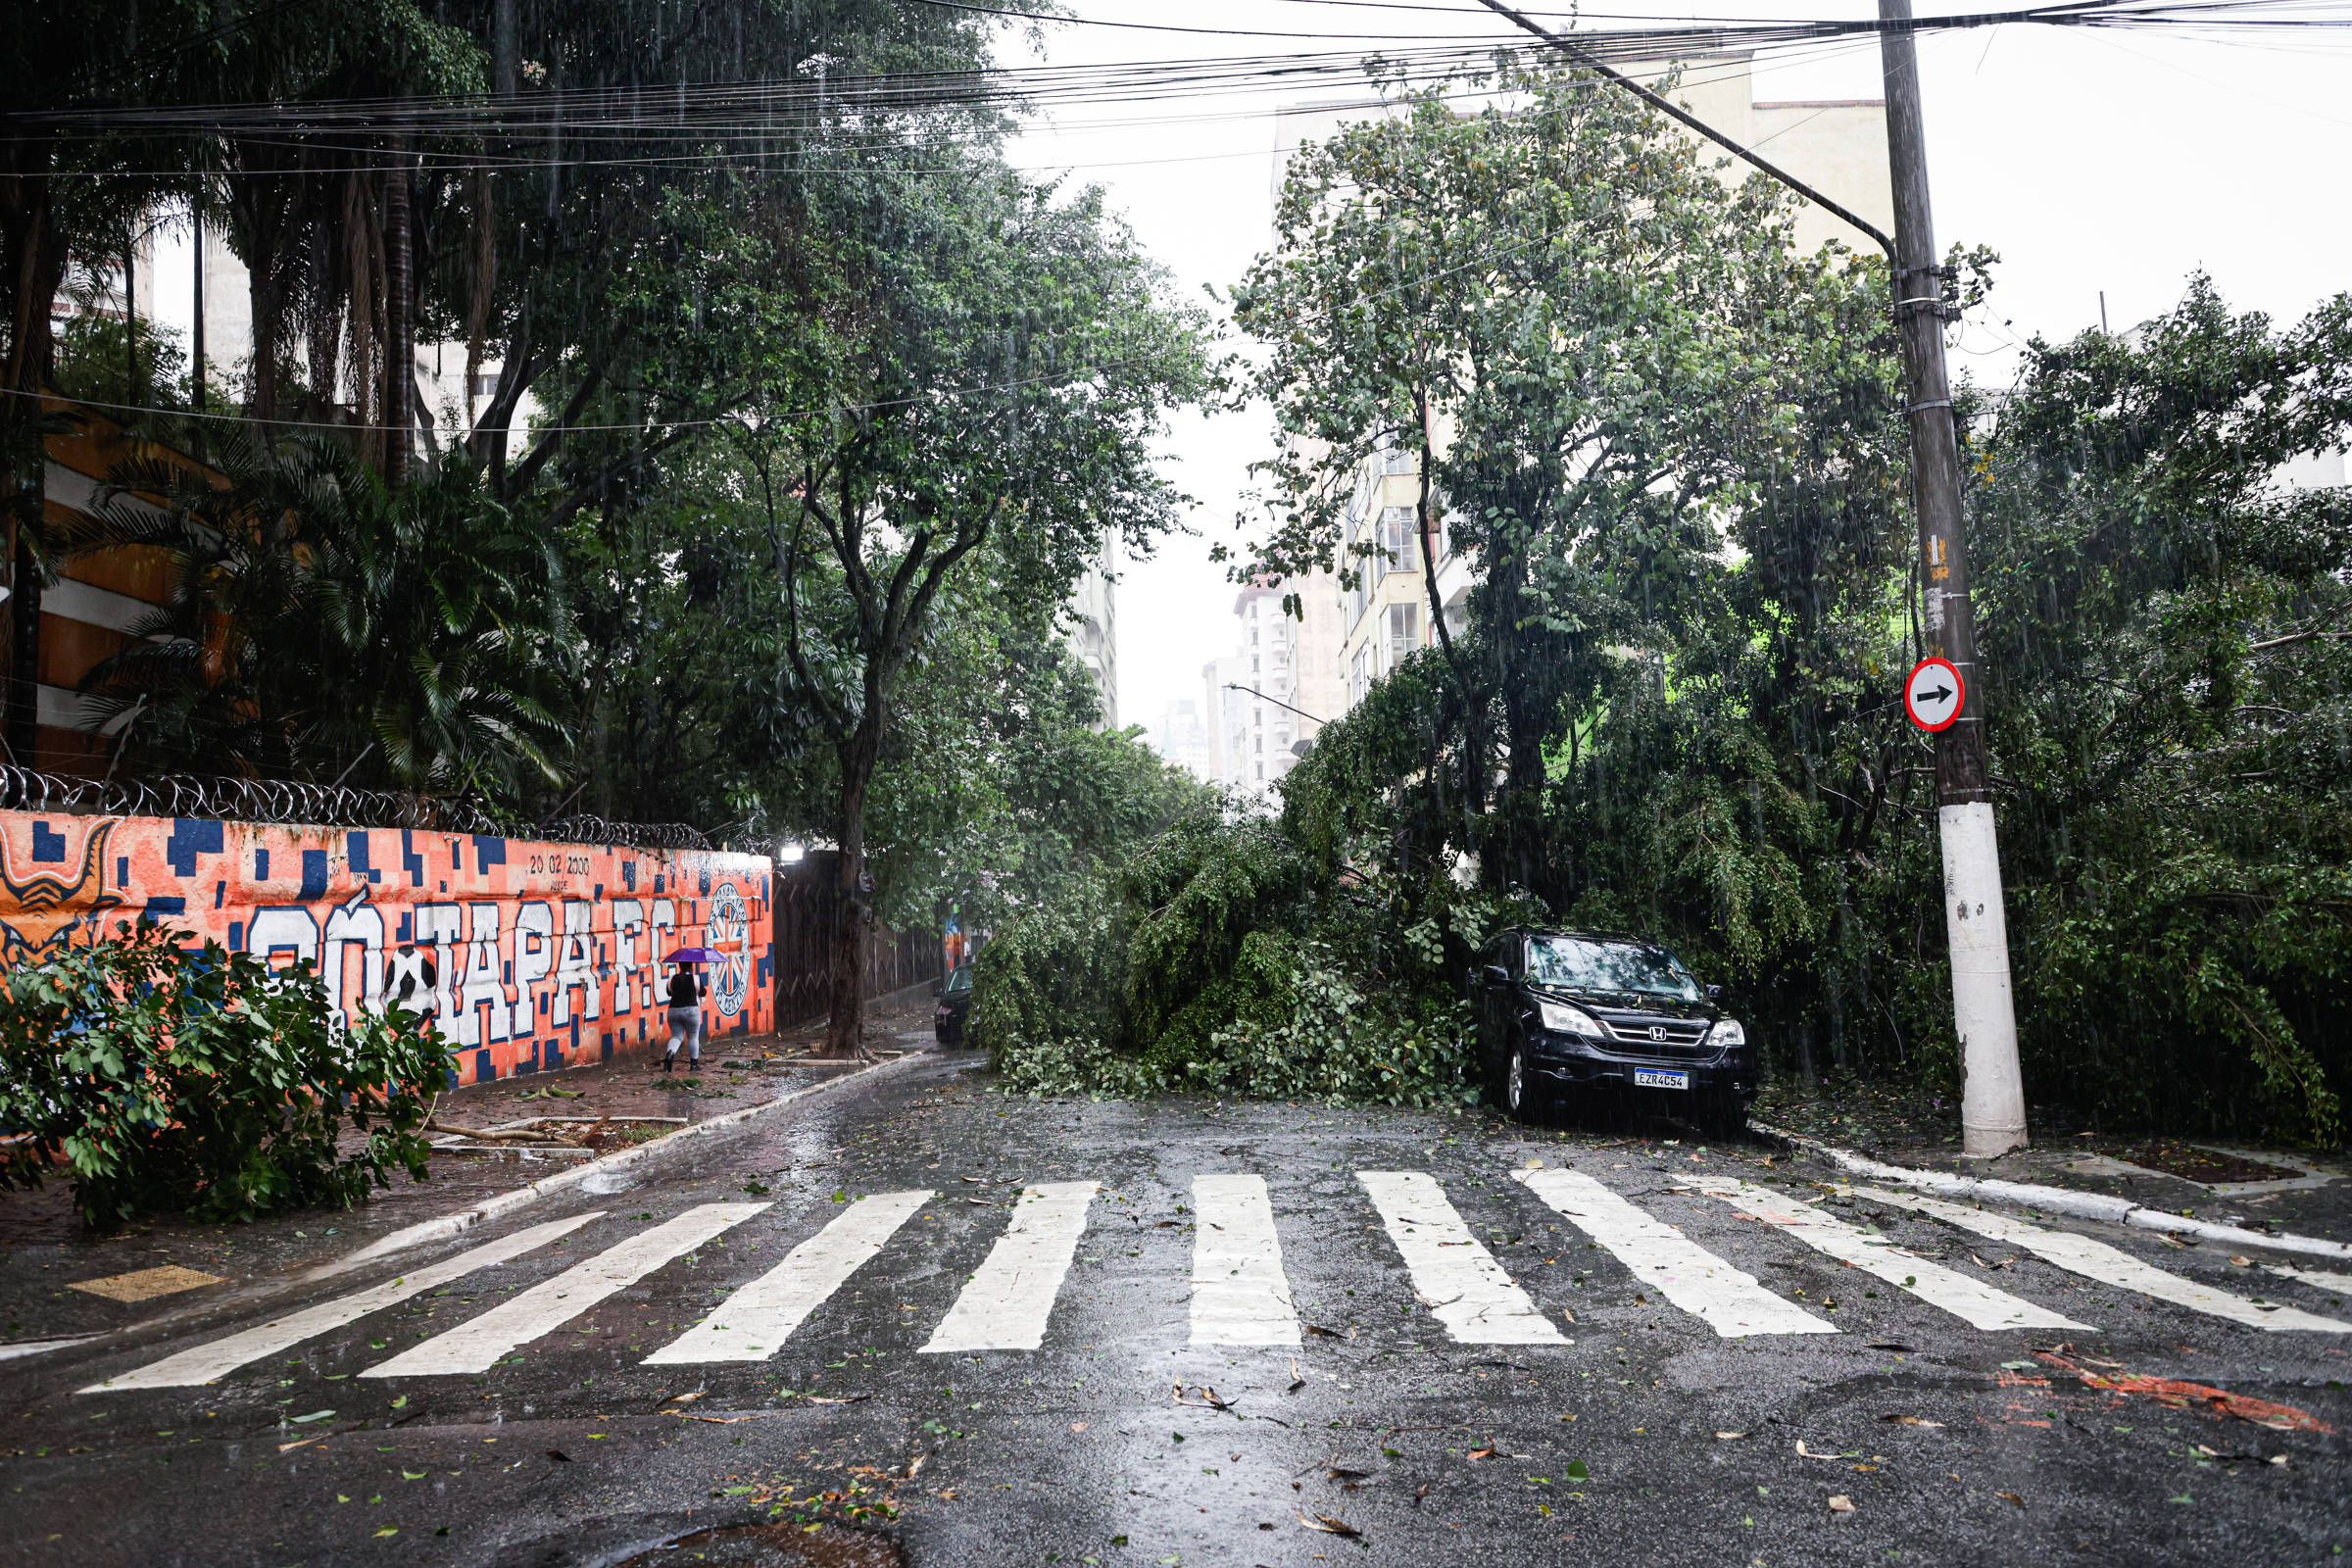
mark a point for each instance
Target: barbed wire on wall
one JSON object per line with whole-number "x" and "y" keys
{"x": 294, "y": 803}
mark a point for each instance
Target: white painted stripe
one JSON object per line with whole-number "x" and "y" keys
{"x": 1457, "y": 1278}
{"x": 1005, "y": 1305}
{"x": 9, "y": 1353}
{"x": 2312, "y": 1276}
{"x": 2108, "y": 1265}
{"x": 1240, "y": 1294}
{"x": 1729, "y": 1301}
{"x": 477, "y": 1345}
{"x": 1978, "y": 1304}
{"x": 207, "y": 1363}
{"x": 753, "y": 1322}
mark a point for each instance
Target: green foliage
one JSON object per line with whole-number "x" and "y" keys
{"x": 1670, "y": 451}
{"x": 323, "y": 627}
{"x": 1044, "y": 995}
{"x": 1215, "y": 960}
{"x": 199, "y": 1080}
{"x": 2170, "y": 688}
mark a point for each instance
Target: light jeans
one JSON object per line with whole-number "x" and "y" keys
{"x": 686, "y": 1028}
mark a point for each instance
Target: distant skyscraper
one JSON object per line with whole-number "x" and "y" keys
{"x": 1182, "y": 738}
{"x": 1259, "y": 696}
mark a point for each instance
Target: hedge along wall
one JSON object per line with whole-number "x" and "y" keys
{"x": 546, "y": 955}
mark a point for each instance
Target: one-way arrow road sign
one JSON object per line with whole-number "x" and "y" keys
{"x": 1933, "y": 694}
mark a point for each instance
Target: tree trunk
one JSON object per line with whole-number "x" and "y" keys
{"x": 845, "y": 1028}
{"x": 400, "y": 356}
{"x": 266, "y": 296}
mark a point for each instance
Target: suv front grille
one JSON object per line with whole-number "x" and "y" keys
{"x": 1652, "y": 1034}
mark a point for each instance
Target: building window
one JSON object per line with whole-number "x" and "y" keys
{"x": 1400, "y": 538}
{"x": 1404, "y": 632}
{"x": 1261, "y": 772}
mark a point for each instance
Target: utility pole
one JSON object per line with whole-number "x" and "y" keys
{"x": 1992, "y": 1100}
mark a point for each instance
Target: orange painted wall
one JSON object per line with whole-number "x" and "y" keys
{"x": 546, "y": 954}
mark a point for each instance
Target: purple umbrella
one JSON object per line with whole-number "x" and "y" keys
{"x": 696, "y": 955}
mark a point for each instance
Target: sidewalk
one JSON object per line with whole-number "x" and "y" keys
{"x": 44, "y": 1254}
{"x": 2221, "y": 1180}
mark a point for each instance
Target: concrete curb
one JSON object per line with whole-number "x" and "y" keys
{"x": 444, "y": 1226}
{"x": 2054, "y": 1199}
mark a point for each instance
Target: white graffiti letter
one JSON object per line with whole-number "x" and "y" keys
{"x": 286, "y": 927}
{"x": 439, "y": 927}
{"x": 665, "y": 918}
{"x": 577, "y": 966}
{"x": 481, "y": 983}
{"x": 628, "y": 918}
{"x": 357, "y": 924}
{"x": 535, "y": 960}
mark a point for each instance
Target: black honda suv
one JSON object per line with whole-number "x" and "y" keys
{"x": 1571, "y": 1011}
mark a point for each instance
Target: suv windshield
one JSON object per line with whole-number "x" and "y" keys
{"x": 1575, "y": 964}
{"x": 960, "y": 980}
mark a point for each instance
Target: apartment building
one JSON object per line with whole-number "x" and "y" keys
{"x": 1094, "y": 630}
{"x": 1280, "y": 684}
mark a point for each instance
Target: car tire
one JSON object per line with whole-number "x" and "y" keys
{"x": 1522, "y": 1098}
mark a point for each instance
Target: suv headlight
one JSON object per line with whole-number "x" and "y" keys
{"x": 1727, "y": 1032}
{"x": 1561, "y": 1019}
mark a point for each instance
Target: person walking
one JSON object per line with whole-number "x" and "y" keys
{"x": 685, "y": 1018}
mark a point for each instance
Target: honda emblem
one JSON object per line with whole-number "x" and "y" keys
{"x": 1657, "y": 1031}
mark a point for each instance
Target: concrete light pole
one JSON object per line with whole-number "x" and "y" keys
{"x": 1993, "y": 1104}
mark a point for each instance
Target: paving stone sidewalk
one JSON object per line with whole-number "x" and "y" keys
{"x": 45, "y": 1254}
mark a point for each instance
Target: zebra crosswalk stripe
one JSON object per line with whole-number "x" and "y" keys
{"x": 753, "y": 1322}
{"x": 2312, "y": 1276}
{"x": 2094, "y": 1259}
{"x": 207, "y": 1362}
{"x": 1980, "y": 1305}
{"x": 1454, "y": 1276}
{"x": 1240, "y": 1294}
{"x": 1005, "y": 1305}
{"x": 1726, "y": 1299}
{"x": 476, "y": 1344}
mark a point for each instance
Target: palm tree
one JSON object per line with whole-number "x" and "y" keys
{"x": 324, "y": 627}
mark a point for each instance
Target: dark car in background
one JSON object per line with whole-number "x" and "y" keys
{"x": 1569, "y": 1014}
{"x": 955, "y": 1002}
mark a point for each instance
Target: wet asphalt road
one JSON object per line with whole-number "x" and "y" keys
{"x": 1648, "y": 1438}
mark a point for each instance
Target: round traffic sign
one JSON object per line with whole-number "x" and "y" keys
{"x": 1933, "y": 694}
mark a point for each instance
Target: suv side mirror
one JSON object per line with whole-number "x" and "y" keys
{"x": 938, "y": 986}
{"x": 1714, "y": 993}
{"x": 1497, "y": 975}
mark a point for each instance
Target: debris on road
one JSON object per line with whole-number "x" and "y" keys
{"x": 2180, "y": 1396}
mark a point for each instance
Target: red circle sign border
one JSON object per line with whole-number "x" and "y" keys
{"x": 1959, "y": 686}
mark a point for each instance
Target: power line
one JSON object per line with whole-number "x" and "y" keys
{"x": 689, "y": 109}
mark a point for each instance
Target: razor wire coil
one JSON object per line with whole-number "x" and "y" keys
{"x": 294, "y": 803}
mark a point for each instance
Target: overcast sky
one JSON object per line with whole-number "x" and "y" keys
{"x": 2088, "y": 160}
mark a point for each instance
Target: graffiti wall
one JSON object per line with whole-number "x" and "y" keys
{"x": 535, "y": 956}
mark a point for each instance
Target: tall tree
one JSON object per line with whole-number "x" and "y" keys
{"x": 1567, "y": 312}
{"x": 992, "y": 363}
